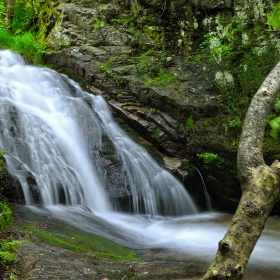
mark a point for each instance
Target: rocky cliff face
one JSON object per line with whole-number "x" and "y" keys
{"x": 139, "y": 54}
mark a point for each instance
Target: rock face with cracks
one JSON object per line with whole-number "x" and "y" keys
{"x": 105, "y": 44}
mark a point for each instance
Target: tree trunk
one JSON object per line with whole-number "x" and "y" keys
{"x": 259, "y": 184}
{"x": 9, "y": 14}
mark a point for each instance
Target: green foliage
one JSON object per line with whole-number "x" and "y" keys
{"x": 211, "y": 160}
{"x": 64, "y": 237}
{"x": 126, "y": 22}
{"x": 2, "y": 11}
{"x": 107, "y": 65}
{"x": 6, "y": 216}
{"x": 115, "y": 78}
{"x": 24, "y": 16}
{"x": 129, "y": 22}
{"x": 64, "y": 43}
{"x": 6, "y": 256}
{"x": 163, "y": 78}
{"x": 110, "y": 76}
{"x": 254, "y": 67}
{"x": 275, "y": 127}
{"x": 190, "y": 123}
{"x": 25, "y": 44}
{"x": 275, "y": 121}
{"x": 20, "y": 35}
{"x": 274, "y": 17}
{"x": 234, "y": 123}
{"x": 98, "y": 24}
{"x": 152, "y": 65}
{"x": 2, "y": 163}
{"x": 238, "y": 57}
{"x": 277, "y": 104}
{"x": 128, "y": 103}
{"x": 7, "y": 248}
{"x": 151, "y": 109}
{"x": 208, "y": 157}
{"x": 25, "y": 13}
{"x": 156, "y": 132}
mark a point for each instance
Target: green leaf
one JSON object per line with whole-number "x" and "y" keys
{"x": 275, "y": 127}
{"x": 274, "y": 18}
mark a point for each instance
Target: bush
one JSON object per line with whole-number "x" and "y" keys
{"x": 25, "y": 44}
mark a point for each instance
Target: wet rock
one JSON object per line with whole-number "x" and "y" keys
{"x": 40, "y": 260}
{"x": 33, "y": 189}
{"x": 172, "y": 163}
{"x": 181, "y": 119}
{"x": 224, "y": 193}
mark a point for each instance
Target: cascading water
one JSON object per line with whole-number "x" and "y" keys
{"x": 152, "y": 187}
{"x": 206, "y": 195}
{"x": 43, "y": 138}
{"x": 53, "y": 132}
{"x": 51, "y": 127}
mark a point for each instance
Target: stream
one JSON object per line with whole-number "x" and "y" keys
{"x": 53, "y": 133}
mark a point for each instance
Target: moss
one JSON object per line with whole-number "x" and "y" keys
{"x": 6, "y": 180}
{"x": 108, "y": 150}
{"x": 153, "y": 152}
{"x": 129, "y": 130}
{"x": 156, "y": 33}
{"x": 271, "y": 149}
{"x": 2, "y": 175}
{"x": 70, "y": 239}
{"x": 46, "y": 21}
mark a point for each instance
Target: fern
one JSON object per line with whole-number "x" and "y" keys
{"x": 11, "y": 246}
{"x": 6, "y": 216}
{"x": 7, "y": 250}
{"x": 7, "y": 257}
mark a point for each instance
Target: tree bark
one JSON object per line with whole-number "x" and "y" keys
{"x": 9, "y": 13}
{"x": 259, "y": 184}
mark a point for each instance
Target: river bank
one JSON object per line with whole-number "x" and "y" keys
{"x": 42, "y": 258}
{"x": 38, "y": 259}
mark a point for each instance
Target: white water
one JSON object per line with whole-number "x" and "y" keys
{"x": 206, "y": 195}
{"x": 57, "y": 129}
{"x": 53, "y": 131}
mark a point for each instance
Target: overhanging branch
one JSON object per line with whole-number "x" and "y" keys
{"x": 250, "y": 153}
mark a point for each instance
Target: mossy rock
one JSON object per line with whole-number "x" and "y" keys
{"x": 57, "y": 234}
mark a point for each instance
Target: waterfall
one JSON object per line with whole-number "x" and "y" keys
{"x": 206, "y": 195}
{"x": 53, "y": 131}
{"x": 149, "y": 183}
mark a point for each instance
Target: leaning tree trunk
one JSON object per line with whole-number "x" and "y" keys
{"x": 259, "y": 184}
{"x": 9, "y": 13}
